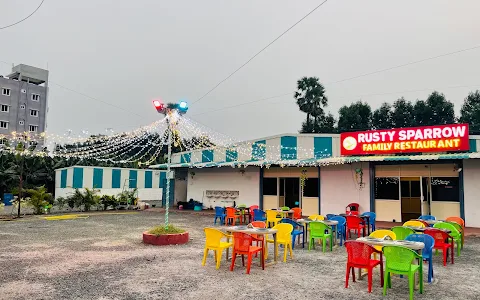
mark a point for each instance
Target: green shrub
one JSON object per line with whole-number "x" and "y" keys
{"x": 39, "y": 199}
{"x": 107, "y": 201}
{"x": 160, "y": 230}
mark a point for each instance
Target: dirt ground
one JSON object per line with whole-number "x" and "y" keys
{"x": 103, "y": 257}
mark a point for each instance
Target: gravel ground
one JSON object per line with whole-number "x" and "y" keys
{"x": 103, "y": 257}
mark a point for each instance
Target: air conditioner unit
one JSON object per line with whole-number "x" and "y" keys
{"x": 24, "y": 91}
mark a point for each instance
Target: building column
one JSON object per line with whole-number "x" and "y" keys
{"x": 260, "y": 196}
{"x": 319, "y": 193}
{"x": 372, "y": 186}
{"x": 461, "y": 189}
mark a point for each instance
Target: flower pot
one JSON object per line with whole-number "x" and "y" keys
{"x": 165, "y": 239}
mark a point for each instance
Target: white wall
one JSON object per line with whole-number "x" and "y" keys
{"x": 225, "y": 179}
{"x": 305, "y": 147}
{"x": 143, "y": 194}
{"x": 471, "y": 175}
{"x": 339, "y": 188}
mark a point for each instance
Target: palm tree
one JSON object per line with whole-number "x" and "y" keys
{"x": 311, "y": 99}
{"x": 39, "y": 198}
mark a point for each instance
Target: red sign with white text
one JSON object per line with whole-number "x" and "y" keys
{"x": 439, "y": 138}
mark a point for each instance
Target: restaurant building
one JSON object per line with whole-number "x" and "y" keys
{"x": 399, "y": 174}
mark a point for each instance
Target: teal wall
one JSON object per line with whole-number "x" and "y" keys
{"x": 132, "y": 179}
{"x": 259, "y": 150}
{"x": 63, "y": 178}
{"x": 77, "y": 178}
{"x": 288, "y": 147}
{"x": 322, "y": 146}
{"x": 186, "y": 158}
{"x": 231, "y": 155}
{"x": 97, "y": 178}
{"x": 148, "y": 179}
{"x": 163, "y": 178}
{"x": 473, "y": 145}
{"x": 207, "y": 156}
{"x": 116, "y": 178}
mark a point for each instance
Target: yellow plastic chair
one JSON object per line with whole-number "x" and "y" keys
{"x": 414, "y": 223}
{"x": 316, "y": 217}
{"x": 272, "y": 217}
{"x": 284, "y": 237}
{"x": 214, "y": 242}
{"x": 380, "y": 234}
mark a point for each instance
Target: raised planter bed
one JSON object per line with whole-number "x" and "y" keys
{"x": 165, "y": 239}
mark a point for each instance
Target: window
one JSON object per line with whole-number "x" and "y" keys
{"x": 32, "y": 143}
{"x": 35, "y": 97}
{"x": 311, "y": 187}
{"x": 6, "y": 92}
{"x": 386, "y": 188}
{"x": 5, "y": 108}
{"x": 21, "y": 122}
{"x": 3, "y": 141}
{"x": 34, "y": 112}
{"x": 4, "y": 124}
{"x": 270, "y": 186}
{"x": 32, "y": 128}
{"x": 22, "y": 106}
{"x": 445, "y": 189}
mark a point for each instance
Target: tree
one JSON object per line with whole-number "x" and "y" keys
{"x": 436, "y": 110}
{"x": 402, "y": 114}
{"x": 470, "y": 112}
{"x": 382, "y": 117}
{"x": 311, "y": 99}
{"x": 356, "y": 117}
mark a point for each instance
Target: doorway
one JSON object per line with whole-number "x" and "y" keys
{"x": 289, "y": 192}
{"x": 411, "y": 195}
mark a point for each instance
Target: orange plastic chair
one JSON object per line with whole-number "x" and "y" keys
{"x": 250, "y": 209}
{"x": 231, "y": 215}
{"x": 460, "y": 222}
{"x": 214, "y": 242}
{"x": 242, "y": 245}
{"x": 297, "y": 213}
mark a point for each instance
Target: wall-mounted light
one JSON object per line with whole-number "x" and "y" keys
{"x": 242, "y": 171}
{"x": 192, "y": 174}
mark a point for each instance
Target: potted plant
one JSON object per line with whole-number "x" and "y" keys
{"x": 165, "y": 235}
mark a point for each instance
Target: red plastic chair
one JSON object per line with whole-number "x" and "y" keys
{"x": 443, "y": 241}
{"x": 231, "y": 215}
{"x": 242, "y": 245}
{"x": 297, "y": 213}
{"x": 354, "y": 223}
{"x": 250, "y": 209}
{"x": 352, "y": 209}
{"x": 359, "y": 256}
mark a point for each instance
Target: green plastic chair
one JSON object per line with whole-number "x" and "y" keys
{"x": 459, "y": 228}
{"x": 454, "y": 233}
{"x": 285, "y": 208}
{"x": 399, "y": 261}
{"x": 402, "y": 232}
{"x": 320, "y": 230}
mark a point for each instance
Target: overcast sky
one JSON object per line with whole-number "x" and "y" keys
{"x": 130, "y": 52}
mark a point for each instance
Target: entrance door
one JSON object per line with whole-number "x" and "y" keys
{"x": 292, "y": 192}
{"x": 411, "y": 197}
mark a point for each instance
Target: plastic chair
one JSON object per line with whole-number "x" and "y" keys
{"x": 461, "y": 222}
{"x": 352, "y": 209}
{"x": 460, "y": 229}
{"x": 359, "y": 256}
{"x": 372, "y": 218}
{"x": 427, "y": 251}
{"x": 320, "y": 230}
{"x": 231, "y": 215}
{"x": 297, "y": 213}
{"x": 250, "y": 209}
{"x": 242, "y": 245}
{"x": 440, "y": 237}
{"x": 330, "y": 216}
{"x": 340, "y": 228}
{"x": 402, "y": 232}
{"x": 380, "y": 234}
{"x": 272, "y": 217}
{"x": 425, "y": 224}
{"x": 259, "y": 215}
{"x": 427, "y": 217}
{"x": 258, "y": 237}
{"x": 214, "y": 242}
{"x": 316, "y": 217}
{"x": 399, "y": 261}
{"x": 414, "y": 223}
{"x": 285, "y": 208}
{"x": 454, "y": 233}
{"x": 354, "y": 223}
{"x": 298, "y": 230}
{"x": 283, "y": 238}
{"x": 219, "y": 214}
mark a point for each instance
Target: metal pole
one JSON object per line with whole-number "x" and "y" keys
{"x": 169, "y": 154}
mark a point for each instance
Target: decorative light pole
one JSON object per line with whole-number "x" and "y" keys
{"x": 172, "y": 112}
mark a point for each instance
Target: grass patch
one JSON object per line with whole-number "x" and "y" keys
{"x": 160, "y": 230}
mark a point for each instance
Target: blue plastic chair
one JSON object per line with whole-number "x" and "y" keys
{"x": 298, "y": 229}
{"x": 427, "y": 252}
{"x": 219, "y": 213}
{"x": 427, "y": 217}
{"x": 340, "y": 228}
{"x": 259, "y": 215}
{"x": 330, "y": 216}
{"x": 372, "y": 218}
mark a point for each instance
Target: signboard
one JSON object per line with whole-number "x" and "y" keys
{"x": 439, "y": 138}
